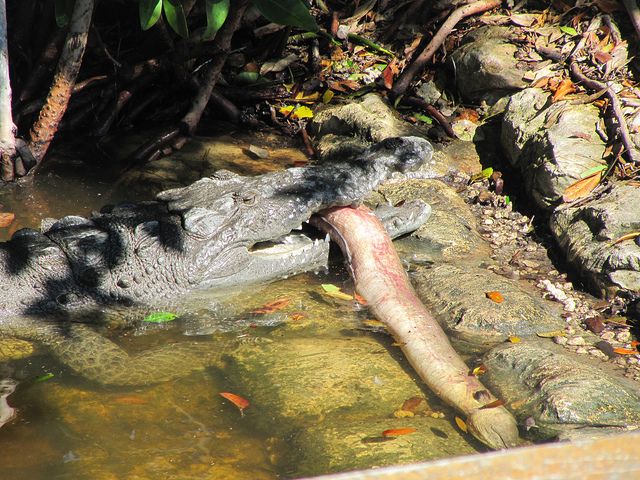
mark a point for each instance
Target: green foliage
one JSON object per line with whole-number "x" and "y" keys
{"x": 160, "y": 317}
{"x": 63, "y": 10}
{"x": 217, "y": 11}
{"x": 149, "y": 12}
{"x": 287, "y": 12}
{"x": 174, "y": 14}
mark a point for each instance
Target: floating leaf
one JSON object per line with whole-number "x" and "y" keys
{"x": 403, "y": 414}
{"x": 271, "y": 307}
{"x": 335, "y": 292}
{"x": 494, "y": 296}
{"x": 237, "y": 400}
{"x": 160, "y": 317}
{"x": 44, "y": 378}
{"x": 494, "y": 404}
{"x": 582, "y": 187}
{"x": 514, "y": 339}
{"x": 626, "y": 351}
{"x": 626, "y": 236}
{"x": 462, "y": 425}
{"x": 6, "y": 219}
{"x": 217, "y": 11}
{"x": 551, "y": 334}
{"x": 396, "y": 432}
{"x": 374, "y": 323}
{"x": 568, "y": 30}
{"x": 479, "y": 370}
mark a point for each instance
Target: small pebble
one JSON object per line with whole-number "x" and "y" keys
{"x": 623, "y": 336}
{"x": 576, "y": 341}
{"x": 560, "y": 340}
{"x": 608, "y": 336}
{"x": 582, "y": 350}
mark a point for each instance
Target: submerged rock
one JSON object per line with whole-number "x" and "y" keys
{"x": 456, "y": 295}
{"x": 565, "y": 395}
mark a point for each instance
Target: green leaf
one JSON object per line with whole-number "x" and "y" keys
{"x": 487, "y": 172}
{"x": 149, "y": 12}
{"x": 249, "y": 78}
{"x": 217, "y": 11}
{"x": 569, "y": 30}
{"x": 592, "y": 170}
{"x": 175, "y": 17}
{"x": 287, "y": 12}
{"x": 160, "y": 317}
{"x": 423, "y": 118}
{"x": 44, "y": 378}
{"x": 330, "y": 288}
{"x": 507, "y": 200}
{"x": 63, "y": 10}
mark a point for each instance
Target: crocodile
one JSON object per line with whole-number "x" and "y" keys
{"x": 222, "y": 232}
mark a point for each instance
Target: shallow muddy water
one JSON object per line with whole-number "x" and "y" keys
{"x": 322, "y": 379}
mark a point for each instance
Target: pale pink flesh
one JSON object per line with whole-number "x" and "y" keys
{"x": 380, "y": 278}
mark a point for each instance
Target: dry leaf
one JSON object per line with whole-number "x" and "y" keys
{"x": 514, "y": 339}
{"x": 494, "y": 296}
{"x": 359, "y": 299}
{"x": 297, "y": 316}
{"x": 494, "y": 404}
{"x": 582, "y": 187}
{"x": 626, "y": 351}
{"x": 237, "y": 400}
{"x": 554, "y": 333}
{"x": 396, "y": 432}
{"x": 462, "y": 425}
{"x": 6, "y": 219}
{"x": 566, "y": 87}
{"x": 626, "y": 236}
{"x": 335, "y": 292}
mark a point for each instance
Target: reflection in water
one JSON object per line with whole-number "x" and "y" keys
{"x": 325, "y": 380}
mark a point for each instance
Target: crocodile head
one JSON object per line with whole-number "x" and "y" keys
{"x": 240, "y": 230}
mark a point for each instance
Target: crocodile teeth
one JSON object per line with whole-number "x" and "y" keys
{"x": 326, "y": 239}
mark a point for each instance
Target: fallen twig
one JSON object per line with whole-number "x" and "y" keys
{"x": 634, "y": 14}
{"x": 406, "y": 77}
{"x": 433, "y": 112}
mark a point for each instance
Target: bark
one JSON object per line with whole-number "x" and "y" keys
{"x": 55, "y": 105}
{"x": 380, "y": 278}
{"x": 7, "y": 138}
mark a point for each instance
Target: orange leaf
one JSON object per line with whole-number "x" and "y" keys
{"x": 296, "y": 317}
{"x": 237, "y": 400}
{"x": 494, "y": 404}
{"x": 582, "y": 187}
{"x": 6, "y": 218}
{"x": 495, "y": 296}
{"x": 626, "y": 351}
{"x": 566, "y": 87}
{"x": 271, "y": 307}
{"x": 396, "y": 432}
{"x": 462, "y": 425}
{"x": 635, "y": 343}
